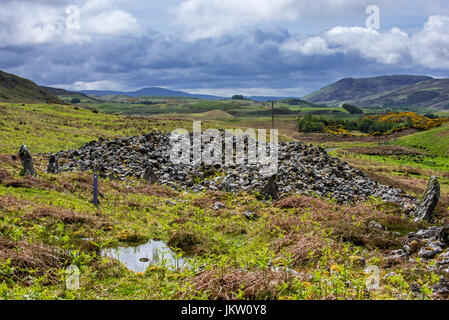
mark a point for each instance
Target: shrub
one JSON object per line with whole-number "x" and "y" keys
{"x": 352, "y": 109}
{"x": 309, "y": 123}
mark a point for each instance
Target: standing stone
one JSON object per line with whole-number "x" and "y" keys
{"x": 149, "y": 175}
{"x": 27, "y": 161}
{"x": 53, "y": 166}
{"x": 429, "y": 201}
{"x": 270, "y": 191}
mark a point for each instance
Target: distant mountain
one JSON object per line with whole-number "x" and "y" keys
{"x": 16, "y": 89}
{"x": 150, "y": 92}
{"x": 390, "y": 91}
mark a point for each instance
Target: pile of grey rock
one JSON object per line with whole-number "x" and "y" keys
{"x": 431, "y": 243}
{"x": 302, "y": 169}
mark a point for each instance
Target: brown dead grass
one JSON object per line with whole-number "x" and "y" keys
{"x": 64, "y": 215}
{"x": 4, "y": 175}
{"x": 204, "y": 202}
{"x": 32, "y": 260}
{"x": 239, "y": 284}
{"x": 303, "y": 249}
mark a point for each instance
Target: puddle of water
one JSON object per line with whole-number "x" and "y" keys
{"x": 138, "y": 259}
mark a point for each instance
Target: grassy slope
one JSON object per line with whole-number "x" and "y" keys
{"x": 412, "y": 92}
{"x": 435, "y": 141}
{"x": 17, "y": 89}
{"x": 323, "y": 242}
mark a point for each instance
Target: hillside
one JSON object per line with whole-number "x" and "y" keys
{"x": 435, "y": 141}
{"x": 69, "y": 95}
{"x": 426, "y": 94}
{"x": 17, "y": 89}
{"x": 387, "y": 91}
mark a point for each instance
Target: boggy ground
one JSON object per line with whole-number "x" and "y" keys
{"x": 296, "y": 248}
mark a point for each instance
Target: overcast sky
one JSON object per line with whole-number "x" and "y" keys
{"x": 223, "y": 47}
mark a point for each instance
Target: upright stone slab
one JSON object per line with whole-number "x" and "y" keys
{"x": 270, "y": 190}
{"x": 429, "y": 201}
{"x": 27, "y": 161}
{"x": 149, "y": 175}
{"x": 53, "y": 166}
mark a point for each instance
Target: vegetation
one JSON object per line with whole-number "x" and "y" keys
{"x": 352, "y": 109}
{"x": 19, "y": 90}
{"x": 308, "y": 123}
{"x": 45, "y": 220}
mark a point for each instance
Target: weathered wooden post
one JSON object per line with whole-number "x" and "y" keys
{"x": 27, "y": 161}
{"x": 96, "y": 190}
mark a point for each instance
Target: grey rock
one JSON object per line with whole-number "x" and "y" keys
{"x": 303, "y": 169}
{"x": 170, "y": 203}
{"x": 53, "y": 166}
{"x": 441, "y": 288}
{"x": 219, "y": 206}
{"x": 429, "y": 201}
{"x": 27, "y": 161}
{"x": 270, "y": 190}
{"x": 149, "y": 175}
{"x": 375, "y": 225}
{"x": 251, "y": 215}
{"x": 429, "y": 252}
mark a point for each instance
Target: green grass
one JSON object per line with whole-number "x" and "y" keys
{"x": 435, "y": 141}
{"x": 315, "y": 237}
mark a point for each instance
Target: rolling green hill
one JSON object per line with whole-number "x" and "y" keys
{"x": 17, "y": 89}
{"x": 387, "y": 91}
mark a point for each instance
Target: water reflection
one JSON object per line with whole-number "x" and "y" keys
{"x": 138, "y": 259}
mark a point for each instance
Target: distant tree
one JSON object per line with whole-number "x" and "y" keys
{"x": 75, "y": 100}
{"x": 238, "y": 97}
{"x": 308, "y": 123}
{"x": 352, "y": 109}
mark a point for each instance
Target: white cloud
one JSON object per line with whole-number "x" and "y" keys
{"x": 110, "y": 22}
{"x": 31, "y": 23}
{"x": 388, "y": 47}
{"x": 94, "y": 85}
{"x": 212, "y": 18}
{"x": 430, "y": 46}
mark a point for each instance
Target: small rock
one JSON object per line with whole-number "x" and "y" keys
{"x": 442, "y": 288}
{"x": 144, "y": 259}
{"x": 251, "y": 215}
{"x": 429, "y": 252}
{"x": 170, "y": 203}
{"x": 219, "y": 206}
{"x": 375, "y": 225}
